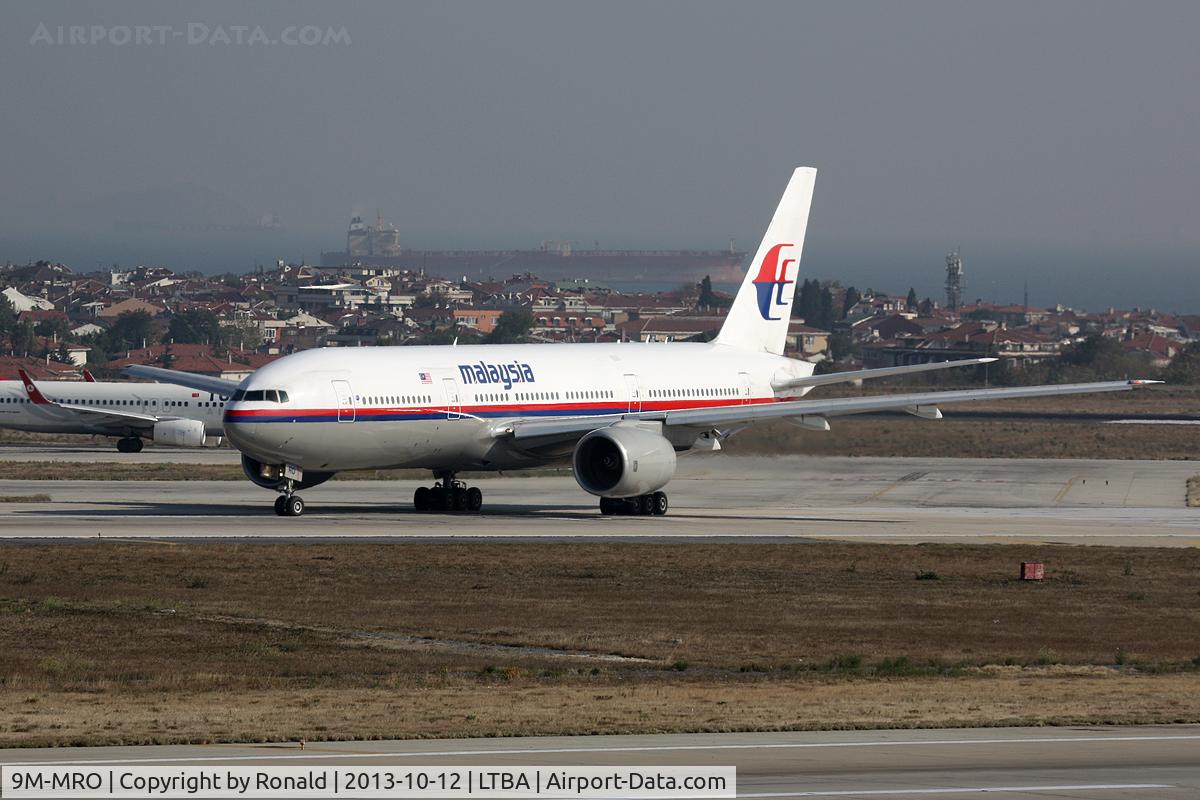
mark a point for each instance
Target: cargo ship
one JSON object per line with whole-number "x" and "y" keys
{"x": 379, "y": 245}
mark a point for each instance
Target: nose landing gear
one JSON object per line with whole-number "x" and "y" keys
{"x": 653, "y": 504}
{"x": 447, "y": 495}
{"x": 288, "y": 504}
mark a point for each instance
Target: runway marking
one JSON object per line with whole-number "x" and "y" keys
{"x": 616, "y": 749}
{"x": 1082, "y": 787}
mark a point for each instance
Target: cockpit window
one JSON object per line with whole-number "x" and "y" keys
{"x": 260, "y": 396}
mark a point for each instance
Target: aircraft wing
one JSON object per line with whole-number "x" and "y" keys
{"x": 881, "y": 372}
{"x": 90, "y": 414}
{"x": 189, "y": 379}
{"x": 922, "y": 404}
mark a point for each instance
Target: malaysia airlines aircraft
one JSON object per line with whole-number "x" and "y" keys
{"x": 618, "y": 412}
{"x": 166, "y": 413}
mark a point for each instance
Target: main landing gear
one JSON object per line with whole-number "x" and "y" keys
{"x": 653, "y": 504}
{"x": 288, "y": 504}
{"x": 447, "y": 494}
{"x": 130, "y": 444}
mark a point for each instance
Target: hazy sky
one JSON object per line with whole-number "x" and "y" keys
{"x": 1054, "y": 141}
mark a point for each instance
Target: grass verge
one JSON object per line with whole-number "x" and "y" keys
{"x": 113, "y": 642}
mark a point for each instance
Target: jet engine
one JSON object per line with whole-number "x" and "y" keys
{"x": 270, "y": 476}
{"x": 182, "y": 432}
{"x": 623, "y": 462}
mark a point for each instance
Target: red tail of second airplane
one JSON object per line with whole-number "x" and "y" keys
{"x": 31, "y": 389}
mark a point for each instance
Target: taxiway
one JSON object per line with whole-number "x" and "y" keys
{"x": 905, "y": 500}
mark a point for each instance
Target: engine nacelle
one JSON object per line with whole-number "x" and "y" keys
{"x": 623, "y": 462}
{"x": 182, "y": 432}
{"x": 270, "y": 476}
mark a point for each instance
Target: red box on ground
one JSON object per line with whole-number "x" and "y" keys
{"x": 1032, "y": 570}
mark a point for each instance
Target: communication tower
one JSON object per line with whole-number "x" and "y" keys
{"x": 954, "y": 280}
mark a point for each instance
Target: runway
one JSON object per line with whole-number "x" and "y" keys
{"x": 719, "y": 497}
{"x": 1091, "y": 763}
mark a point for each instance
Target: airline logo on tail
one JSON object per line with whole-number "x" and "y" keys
{"x": 772, "y": 281}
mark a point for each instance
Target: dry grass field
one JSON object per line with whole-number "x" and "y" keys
{"x": 116, "y": 642}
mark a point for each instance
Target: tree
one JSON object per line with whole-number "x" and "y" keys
{"x": 926, "y": 307}
{"x": 842, "y": 346}
{"x": 911, "y": 302}
{"x": 62, "y": 355}
{"x": 825, "y": 312}
{"x": 53, "y": 328}
{"x": 8, "y": 316}
{"x": 131, "y": 330}
{"x": 1185, "y": 366}
{"x": 808, "y": 304}
{"x": 1098, "y": 358}
{"x": 707, "y": 298}
{"x": 850, "y": 301}
{"x": 24, "y": 340}
{"x": 512, "y": 327}
{"x": 198, "y": 326}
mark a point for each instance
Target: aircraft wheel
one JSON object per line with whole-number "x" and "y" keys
{"x": 660, "y": 503}
{"x": 123, "y": 446}
{"x": 279, "y": 505}
{"x": 293, "y": 506}
{"x": 608, "y": 506}
{"x": 448, "y": 501}
{"x": 474, "y": 499}
{"x": 421, "y": 499}
{"x": 646, "y": 504}
{"x": 135, "y": 445}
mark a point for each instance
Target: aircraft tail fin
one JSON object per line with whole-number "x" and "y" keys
{"x": 758, "y": 319}
{"x": 35, "y": 394}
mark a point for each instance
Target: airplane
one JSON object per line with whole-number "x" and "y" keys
{"x": 619, "y": 413}
{"x": 166, "y": 413}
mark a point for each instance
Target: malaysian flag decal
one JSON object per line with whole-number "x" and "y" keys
{"x": 425, "y": 377}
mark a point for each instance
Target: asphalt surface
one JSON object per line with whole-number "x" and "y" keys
{"x": 1085, "y": 763}
{"x": 713, "y": 497}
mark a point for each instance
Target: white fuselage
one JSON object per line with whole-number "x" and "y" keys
{"x": 19, "y": 412}
{"x": 436, "y": 407}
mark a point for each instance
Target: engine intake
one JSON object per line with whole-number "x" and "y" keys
{"x": 181, "y": 432}
{"x": 623, "y": 462}
{"x": 270, "y": 476}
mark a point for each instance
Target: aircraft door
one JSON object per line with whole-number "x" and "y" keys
{"x": 634, "y": 392}
{"x": 744, "y": 387}
{"x": 453, "y": 406}
{"x": 345, "y": 401}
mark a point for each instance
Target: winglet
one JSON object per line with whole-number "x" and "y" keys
{"x": 89, "y": 377}
{"x": 31, "y": 389}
